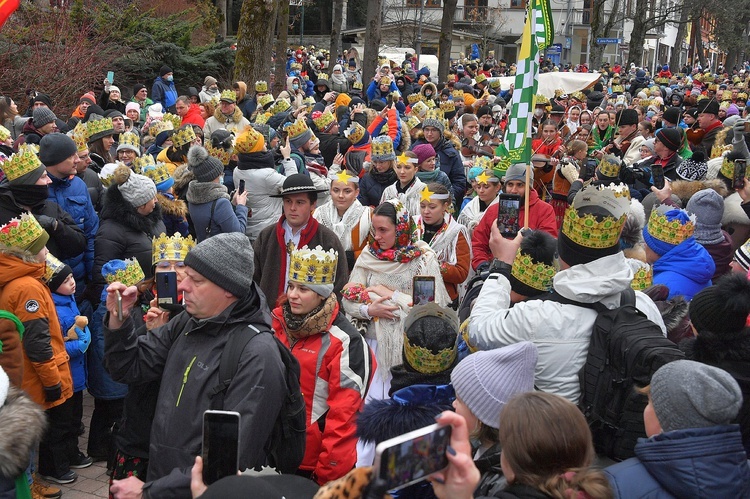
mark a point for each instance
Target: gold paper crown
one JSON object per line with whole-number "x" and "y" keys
{"x": 670, "y": 232}
{"x": 80, "y": 136}
{"x": 559, "y": 92}
{"x": 718, "y": 150}
{"x": 435, "y": 114}
{"x": 229, "y": 95}
{"x": 541, "y": 100}
{"x": 21, "y": 232}
{"x": 419, "y": 109}
{"x": 609, "y": 166}
{"x": 280, "y": 106}
{"x": 99, "y": 126}
{"x": 534, "y": 274}
{"x": 261, "y": 86}
{"x": 130, "y": 139}
{"x": 742, "y": 96}
{"x": 264, "y": 100}
{"x": 183, "y": 136}
{"x": 52, "y": 267}
{"x": 726, "y": 95}
{"x": 325, "y": 120}
{"x": 713, "y": 87}
{"x": 131, "y": 275}
{"x": 158, "y": 173}
{"x": 431, "y": 104}
{"x": 600, "y": 232}
{"x": 448, "y": 106}
{"x": 295, "y": 66}
{"x": 457, "y": 94}
{"x": 385, "y": 80}
{"x": 425, "y": 361}
{"x": 480, "y": 78}
{"x": 297, "y": 128}
{"x": 483, "y": 162}
{"x": 643, "y": 278}
{"x": 4, "y": 134}
{"x": 412, "y": 122}
{"x": 355, "y": 133}
{"x": 143, "y": 163}
{"x": 214, "y": 101}
{"x": 21, "y": 163}
{"x": 495, "y": 83}
{"x": 579, "y": 96}
{"x": 412, "y": 98}
{"x": 313, "y": 266}
{"x": 160, "y": 126}
{"x": 175, "y": 248}
{"x": 262, "y": 118}
{"x": 248, "y": 140}
{"x": 29, "y": 147}
{"x": 357, "y": 85}
{"x": 381, "y": 147}
{"x": 724, "y": 104}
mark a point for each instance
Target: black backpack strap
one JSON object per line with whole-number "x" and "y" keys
{"x": 230, "y": 360}
{"x": 211, "y": 218}
{"x": 627, "y": 297}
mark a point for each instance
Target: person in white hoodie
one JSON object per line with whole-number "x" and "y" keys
{"x": 590, "y": 273}
{"x": 210, "y": 90}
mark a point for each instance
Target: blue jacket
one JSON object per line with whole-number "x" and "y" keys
{"x": 449, "y": 161}
{"x": 226, "y": 218}
{"x": 685, "y": 464}
{"x": 685, "y": 269}
{"x": 373, "y": 91}
{"x": 67, "y": 310}
{"x": 73, "y": 196}
{"x": 164, "y": 92}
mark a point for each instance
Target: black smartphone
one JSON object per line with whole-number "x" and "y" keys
{"x": 509, "y": 206}
{"x": 166, "y": 288}
{"x": 413, "y": 456}
{"x": 423, "y": 290}
{"x": 221, "y": 442}
{"x": 589, "y": 169}
{"x": 740, "y": 169}
{"x": 242, "y": 187}
{"x": 657, "y": 175}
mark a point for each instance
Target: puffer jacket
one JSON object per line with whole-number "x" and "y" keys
{"x": 449, "y": 161}
{"x": 165, "y": 93}
{"x": 45, "y": 362}
{"x": 67, "y": 311}
{"x": 371, "y": 187}
{"x": 686, "y": 464}
{"x": 685, "y": 269}
{"x": 73, "y": 196}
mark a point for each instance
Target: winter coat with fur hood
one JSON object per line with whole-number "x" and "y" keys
{"x": 235, "y": 122}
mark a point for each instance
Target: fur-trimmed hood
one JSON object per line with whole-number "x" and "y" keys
{"x": 205, "y": 192}
{"x": 23, "y": 424}
{"x": 684, "y": 189}
{"x": 172, "y": 207}
{"x": 235, "y": 117}
{"x": 430, "y": 85}
{"x": 182, "y": 177}
{"x": 115, "y": 207}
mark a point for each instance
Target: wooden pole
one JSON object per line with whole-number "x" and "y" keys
{"x": 526, "y": 196}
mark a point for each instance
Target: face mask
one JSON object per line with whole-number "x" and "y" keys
{"x": 428, "y": 94}
{"x": 538, "y": 113}
{"x": 221, "y": 180}
{"x": 295, "y": 87}
{"x": 170, "y": 78}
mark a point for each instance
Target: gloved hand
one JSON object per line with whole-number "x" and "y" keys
{"x": 570, "y": 172}
{"x": 48, "y": 223}
{"x": 739, "y": 130}
{"x": 52, "y": 393}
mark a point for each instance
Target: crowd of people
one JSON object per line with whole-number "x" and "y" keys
{"x": 310, "y": 215}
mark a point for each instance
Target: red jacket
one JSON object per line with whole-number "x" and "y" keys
{"x": 336, "y": 367}
{"x": 193, "y": 116}
{"x": 541, "y": 217}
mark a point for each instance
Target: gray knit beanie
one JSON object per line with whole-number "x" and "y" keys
{"x": 135, "y": 189}
{"x": 205, "y": 167}
{"x": 485, "y": 381}
{"x": 41, "y": 116}
{"x": 687, "y": 394}
{"x": 226, "y": 260}
{"x": 54, "y": 148}
{"x": 708, "y": 207}
{"x": 517, "y": 171}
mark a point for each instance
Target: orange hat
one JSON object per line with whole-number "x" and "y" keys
{"x": 343, "y": 100}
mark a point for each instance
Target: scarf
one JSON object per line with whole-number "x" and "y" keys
{"x": 338, "y": 79}
{"x": 342, "y": 226}
{"x": 205, "y": 192}
{"x": 387, "y": 177}
{"x": 402, "y": 190}
{"x": 443, "y": 240}
{"x": 255, "y": 160}
{"x": 304, "y": 238}
{"x": 316, "y": 163}
{"x": 428, "y": 177}
{"x": 318, "y": 320}
{"x": 405, "y": 249}
{"x": 32, "y": 196}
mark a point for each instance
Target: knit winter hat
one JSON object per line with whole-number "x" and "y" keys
{"x": 485, "y": 381}
{"x": 208, "y": 81}
{"x": 424, "y": 152}
{"x": 132, "y": 105}
{"x": 226, "y": 260}
{"x": 649, "y": 144}
{"x": 41, "y": 116}
{"x": 517, "y": 171}
{"x": 205, "y": 167}
{"x": 672, "y": 115}
{"x": 54, "y": 148}
{"x": 693, "y": 168}
{"x": 135, "y": 189}
{"x": 164, "y": 70}
{"x": 708, "y": 206}
{"x": 88, "y": 97}
{"x": 723, "y": 307}
{"x": 667, "y": 228}
{"x": 670, "y": 137}
{"x": 687, "y": 394}
{"x": 59, "y": 276}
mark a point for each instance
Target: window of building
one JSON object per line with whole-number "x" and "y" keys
{"x": 430, "y": 4}
{"x": 517, "y": 4}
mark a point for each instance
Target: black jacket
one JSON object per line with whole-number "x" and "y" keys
{"x": 95, "y": 187}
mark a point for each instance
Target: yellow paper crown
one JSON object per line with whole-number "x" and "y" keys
{"x": 130, "y": 139}
{"x": 670, "y": 232}
{"x": 541, "y": 100}
{"x": 229, "y": 95}
{"x": 742, "y": 96}
{"x": 325, "y": 120}
{"x": 713, "y": 87}
{"x": 131, "y": 275}
{"x": 597, "y": 232}
{"x": 726, "y": 95}
{"x": 280, "y": 106}
{"x": 435, "y": 114}
{"x": 447, "y": 106}
{"x": 718, "y": 150}
{"x": 248, "y": 140}
{"x": 52, "y": 267}
{"x": 495, "y": 83}
{"x": 357, "y": 85}
{"x": 264, "y": 100}
{"x": 160, "y": 126}
{"x": 80, "y": 136}
{"x": 175, "y": 119}
{"x": 480, "y": 78}
{"x": 643, "y": 278}
{"x": 4, "y": 134}
{"x": 559, "y": 92}
{"x": 261, "y": 86}
{"x": 21, "y": 163}
{"x": 579, "y": 96}
{"x": 262, "y": 118}
{"x": 385, "y": 80}
{"x": 158, "y": 173}
{"x": 381, "y": 147}
{"x": 412, "y": 98}
{"x": 183, "y": 136}
{"x": 419, "y": 109}
{"x": 483, "y": 162}
{"x": 143, "y": 163}
{"x": 426, "y": 362}
{"x": 174, "y": 248}
{"x": 313, "y": 266}
{"x": 355, "y": 133}
{"x": 724, "y": 104}
{"x": 297, "y": 128}
{"x": 21, "y": 232}
{"x": 100, "y": 125}
{"x": 458, "y": 95}
{"x": 534, "y": 274}
{"x": 412, "y": 122}
{"x": 609, "y": 166}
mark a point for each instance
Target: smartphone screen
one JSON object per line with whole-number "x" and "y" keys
{"x": 657, "y": 174}
{"x": 740, "y": 169}
{"x": 166, "y": 288}
{"x": 509, "y": 206}
{"x": 412, "y": 457}
{"x": 590, "y": 169}
{"x": 110, "y": 77}
{"x": 423, "y": 290}
{"x": 242, "y": 186}
{"x": 221, "y": 437}
{"x": 118, "y": 297}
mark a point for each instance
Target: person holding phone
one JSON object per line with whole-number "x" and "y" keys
{"x": 667, "y": 143}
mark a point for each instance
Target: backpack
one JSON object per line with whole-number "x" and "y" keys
{"x": 286, "y": 446}
{"x": 626, "y": 349}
